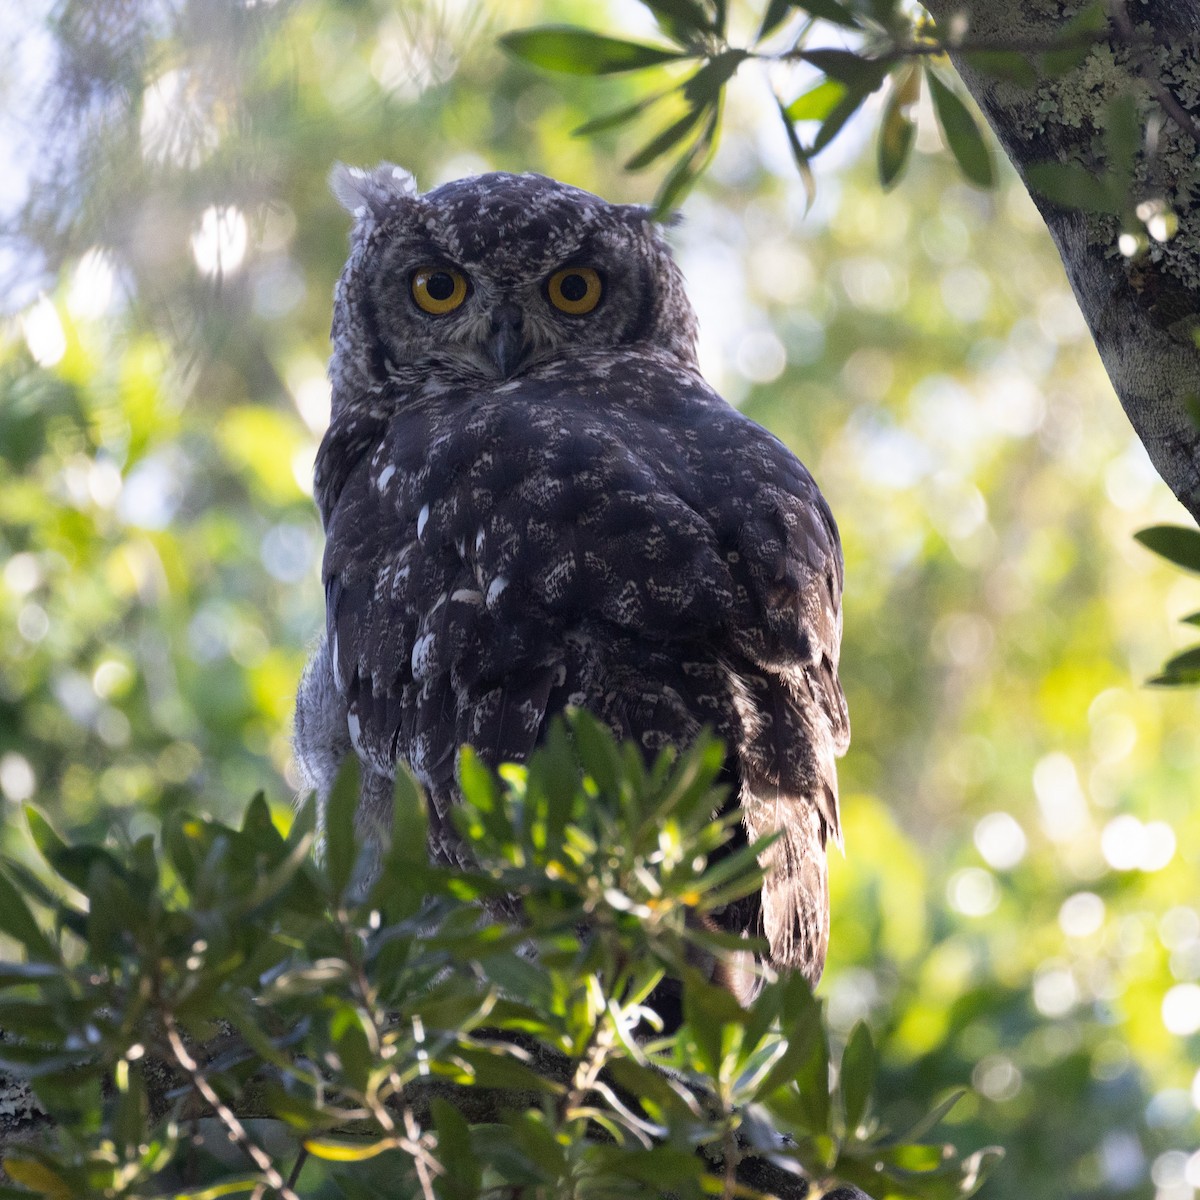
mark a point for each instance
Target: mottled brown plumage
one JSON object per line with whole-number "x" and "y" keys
{"x": 527, "y": 508}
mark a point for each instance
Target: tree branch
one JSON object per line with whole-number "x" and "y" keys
{"x": 1142, "y": 311}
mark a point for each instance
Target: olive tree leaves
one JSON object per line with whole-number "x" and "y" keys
{"x": 852, "y": 49}
{"x": 395, "y": 1044}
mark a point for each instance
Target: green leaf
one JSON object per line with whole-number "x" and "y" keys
{"x": 933, "y": 1117}
{"x": 463, "y": 1175}
{"x": 817, "y": 103}
{"x": 346, "y": 1151}
{"x": 597, "y": 751}
{"x": 897, "y": 131}
{"x": 1181, "y": 671}
{"x": 702, "y": 91}
{"x": 1179, "y": 544}
{"x": 857, "y": 1076}
{"x": 347, "y": 1028}
{"x": 341, "y": 844}
{"x": 1122, "y": 127}
{"x": 916, "y": 1158}
{"x": 17, "y": 921}
{"x": 1070, "y": 185}
{"x": 1003, "y": 64}
{"x": 666, "y": 139}
{"x": 133, "y": 1110}
{"x": 800, "y": 156}
{"x": 619, "y": 116}
{"x": 856, "y": 71}
{"x": 776, "y": 13}
{"x": 1076, "y": 39}
{"x": 962, "y": 134}
{"x": 227, "y": 1187}
{"x": 575, "y": 51}
{"x": 830, "y": 10}
{"x": 707, "y": 1009}
{"x": 683, "y": 20}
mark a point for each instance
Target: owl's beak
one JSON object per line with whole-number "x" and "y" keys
{"x": 506, "y": 344}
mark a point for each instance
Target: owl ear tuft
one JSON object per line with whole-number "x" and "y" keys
{"x": 640, "y": 215}
{"x": 372, "y": 195}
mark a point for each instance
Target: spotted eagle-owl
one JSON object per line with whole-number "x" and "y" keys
{"x": 532, "y": 499}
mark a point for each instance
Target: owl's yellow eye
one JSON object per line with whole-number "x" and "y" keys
{"x": 438, "y": 290}
{"x": 575, "y": 290}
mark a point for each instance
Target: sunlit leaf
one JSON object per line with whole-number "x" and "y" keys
{"x": 17, "y": 921}
{"x": 580, "y": 52}
{"x": 346, "y": 1151}
{"x": 619, "y": 116}
{"x": 38, "y": 1178}
{"x": 818, "y": 102}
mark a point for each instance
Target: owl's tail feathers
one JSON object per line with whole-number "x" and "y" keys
{"x": 795, "y": 891}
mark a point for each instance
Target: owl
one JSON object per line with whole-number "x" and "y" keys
{"x": 533, "y": 500}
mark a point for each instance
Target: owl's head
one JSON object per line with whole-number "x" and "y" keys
{"x": 487, "y": 277}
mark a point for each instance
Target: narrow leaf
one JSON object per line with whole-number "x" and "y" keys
{"x": 1122, "y": 138}
{"x": 1076, "y": 39}
{"x": 817, "y": 103}
{"x": 338, "y": 1150}
{"x": 854, "y": 70}
{"x": 962, "y": 134}
{"x": 800, "y": 155}
{"x": 897, "y": 131}
{"x": 341, "y": 847}
{"x": 1003, "y": 64}
{"x": 17, "y": 921}
{"x": 1183, "y": 665}
{"x": 619, "y": 116}
{"x": 1179, "y": 544}
{"x": 682, "y": 19}
{"x": 576, "y": 51}
{"x": 857, "y": 1076}
{"x": 690, "y": 166}
{"x": 933, "y": 1117}
{"x": 844, "y": 110}
{"x": 830, "y": 10}
{"x": 776, "y": 14}
{"x": 1070, "y": 185}
{"x": 665, "y": 140}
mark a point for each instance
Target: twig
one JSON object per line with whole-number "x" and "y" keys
{"x": 424, "y": 1175}
{"x": 237, "y": 1131}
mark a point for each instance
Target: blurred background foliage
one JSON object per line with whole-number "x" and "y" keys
{"x": 1019, "y": 906}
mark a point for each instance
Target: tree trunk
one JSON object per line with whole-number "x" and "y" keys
{"x": 1142, "y": 310}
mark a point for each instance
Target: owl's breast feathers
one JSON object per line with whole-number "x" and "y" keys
{"x": 621, "y": 540}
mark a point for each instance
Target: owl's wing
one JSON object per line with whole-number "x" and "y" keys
{"x": 667, "y": 565}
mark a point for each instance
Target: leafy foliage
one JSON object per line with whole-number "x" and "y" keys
{"x": 892, "y": 39}
{"x": 215, "y": 972}
{"x": 1178, "y": 544}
